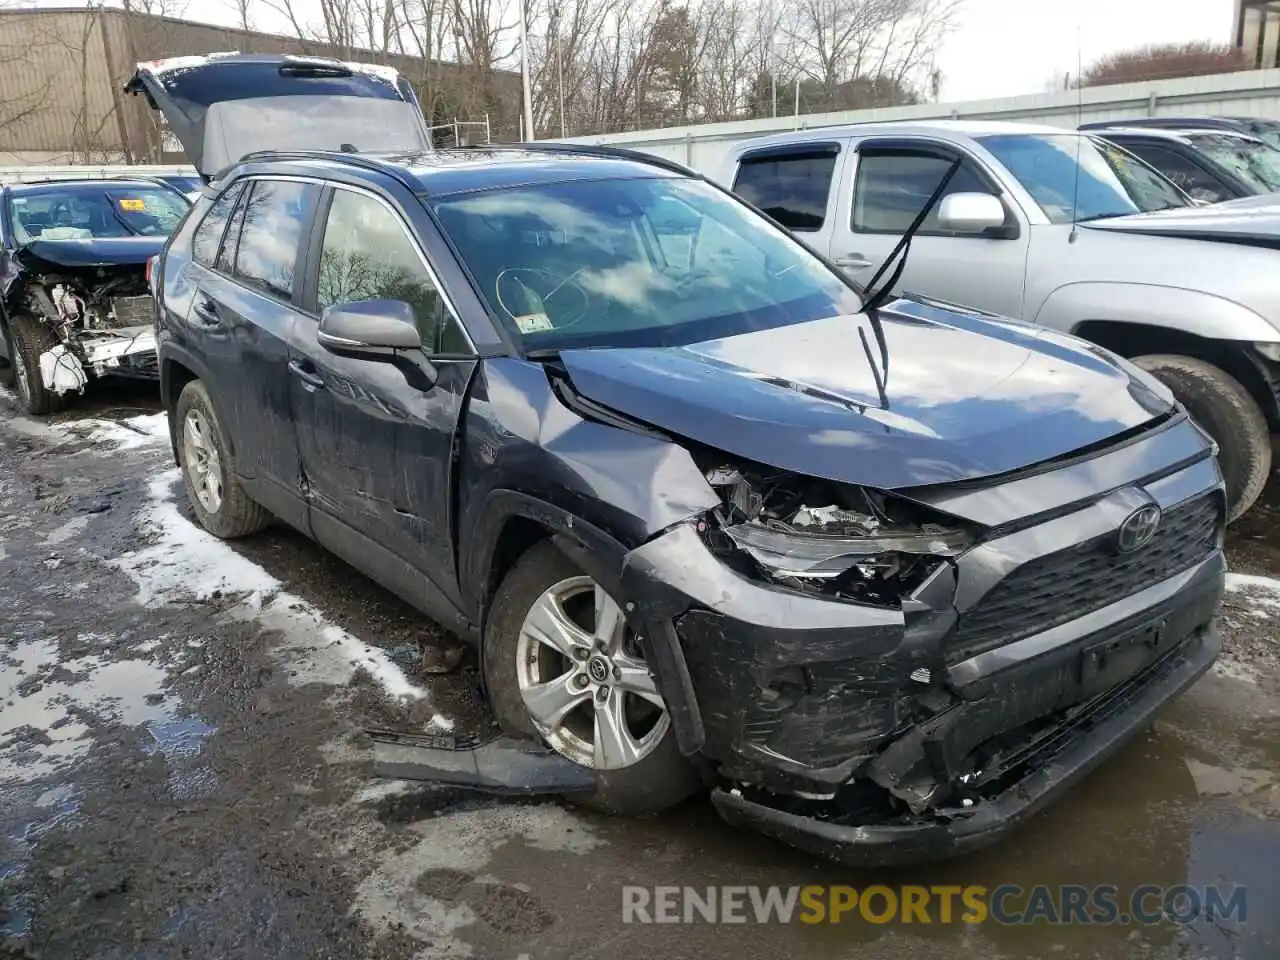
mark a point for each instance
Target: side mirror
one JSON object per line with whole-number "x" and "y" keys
{"x": 384, "y": 330}
{"x": 971, "y": 213}
{"x": 369, "y": 327}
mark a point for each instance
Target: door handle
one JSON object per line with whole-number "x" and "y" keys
{"x": 205, "y": 310}
{"x": 305, "y": 372}
{"x": 855, "y": 261}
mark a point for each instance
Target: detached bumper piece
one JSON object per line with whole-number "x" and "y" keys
{"x": 1062, "y": 756}
{"x": 503, "y": 765}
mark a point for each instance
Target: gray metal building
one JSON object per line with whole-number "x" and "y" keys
{"x": 62, "y": 70}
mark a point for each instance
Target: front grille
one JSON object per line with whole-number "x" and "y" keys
{"x": 131, "y": 311}
{"x": 1059, "y": 587}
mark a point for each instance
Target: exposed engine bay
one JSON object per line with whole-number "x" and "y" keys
{"x": 100, "y": 318}
{"x": 823, "y": 537}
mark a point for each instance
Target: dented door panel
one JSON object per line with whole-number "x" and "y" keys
{"x": 376, "y": 451}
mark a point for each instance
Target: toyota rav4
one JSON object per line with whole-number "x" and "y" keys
{"x": 882, "y": 575}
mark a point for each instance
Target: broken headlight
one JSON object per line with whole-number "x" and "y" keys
{"x": 817, "y": 536}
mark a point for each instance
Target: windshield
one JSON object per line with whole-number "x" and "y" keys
{"x": 95, "y": 212}
{"x": 1112, "y": 182}
{"x": 1257, "y": 164}
{"x": 645, "y": 262}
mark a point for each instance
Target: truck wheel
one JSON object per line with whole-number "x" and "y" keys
{"x": 561, "y": 666}
{"x": 31, "y": 338}
{"x": 1220, "y": 404}
{"x": 209, "y": 469}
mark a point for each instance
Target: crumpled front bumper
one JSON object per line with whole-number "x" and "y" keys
{"x": 802, "y": 701}
{"x": 1094, "y": 736}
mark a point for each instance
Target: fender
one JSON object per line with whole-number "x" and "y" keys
{"x": 1174, "y": 308}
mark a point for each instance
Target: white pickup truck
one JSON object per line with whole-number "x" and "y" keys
{"x": 1059, "y": 229}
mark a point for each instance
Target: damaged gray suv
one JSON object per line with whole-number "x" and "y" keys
{"x": 883, "y": 576}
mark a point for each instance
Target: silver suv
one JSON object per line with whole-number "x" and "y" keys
{"x": 1060, "y": 229}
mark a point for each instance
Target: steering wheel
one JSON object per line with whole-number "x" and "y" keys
{"x": 548, "y": 287}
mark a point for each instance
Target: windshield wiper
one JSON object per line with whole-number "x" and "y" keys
{"x": 875, "y": 297}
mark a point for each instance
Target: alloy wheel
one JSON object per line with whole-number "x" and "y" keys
{"x": 584, "y": 681}
{"x": 204, "y": 467}
{"x": 20, "y": 376}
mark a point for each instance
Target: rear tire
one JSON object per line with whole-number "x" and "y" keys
{"x": 661, "y": 776}
{"x": 29, "y": 338}
{"x": 209, "y": 469}
{"x": 1223, "y": 407}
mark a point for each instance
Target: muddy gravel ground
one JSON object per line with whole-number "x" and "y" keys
{"x": 184, "y": 770}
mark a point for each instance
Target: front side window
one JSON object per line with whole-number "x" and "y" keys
{"x": 367, "y": 255}
{"x": 95, "y": 212}
{"x": 274, "y": 216}
{"x": 208, "y": 236}
{"x": 1188, "y": 175}
{"x": 792, "y": 189}
{"x": 635, "y": 262}
{"x": 1111, "y": 181}
{"x": 1256, "y": 163}
{"x": 893, "y": 185}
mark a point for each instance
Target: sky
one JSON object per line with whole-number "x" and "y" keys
{"x": 1003, "y": 48}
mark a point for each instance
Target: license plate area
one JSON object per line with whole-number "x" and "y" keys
{"x": 1105, "y": 663}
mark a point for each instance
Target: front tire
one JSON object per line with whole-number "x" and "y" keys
{"x": 209, "y": 469}
{"x": 29, "y": 338}
{"x": 1222, "y": 406}
{"x": 561, "y": 666}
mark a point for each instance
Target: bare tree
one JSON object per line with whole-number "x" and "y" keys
{"x": 1165, "y": 61}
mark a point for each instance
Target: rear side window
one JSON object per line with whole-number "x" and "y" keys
{"x": 893, "y": 185}
{"x": 204, "y": 245}
{"x": 275, "y": 215}
{"x": 792, "y": 189}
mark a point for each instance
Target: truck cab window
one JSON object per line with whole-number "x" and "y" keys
{"x": 793, "y": 190}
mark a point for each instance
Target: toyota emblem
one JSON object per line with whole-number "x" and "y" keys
{"x": 1138, "y": 528}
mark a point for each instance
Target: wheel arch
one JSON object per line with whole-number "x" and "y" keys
{"x": 178, "y": 368}
{"x": 1130, "y": 340}
{"x": 509, "y": 524}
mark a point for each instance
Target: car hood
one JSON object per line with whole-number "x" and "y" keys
{"x": 103, "y": 252}
{"x": 1249, "y": 220}
{"x": 966, "y": 397}
{"x": 224, "y": 106}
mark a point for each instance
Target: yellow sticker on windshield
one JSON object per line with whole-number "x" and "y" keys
{"x": 533, "y": 323}
{"x": 132, "y": 203}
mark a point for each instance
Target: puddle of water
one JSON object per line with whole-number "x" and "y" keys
{"x": 43, "y": 725}
{"x": 175, "y": 736}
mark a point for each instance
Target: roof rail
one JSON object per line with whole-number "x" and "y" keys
{"x": 362, "y": 160}
{"x": 591, "y": 150}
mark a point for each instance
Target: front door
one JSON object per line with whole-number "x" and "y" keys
{"x": 376, "y": 442}
{"x": 887, "y": 184}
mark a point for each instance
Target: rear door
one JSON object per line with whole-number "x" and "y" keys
{"x": 886, "y": 183}
{"x": 241, "y": 318}
{"x": 793, "y": 184}
{"x": 377, "y": 443}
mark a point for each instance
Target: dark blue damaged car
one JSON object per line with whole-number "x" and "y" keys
{"x": 883, "y": 577}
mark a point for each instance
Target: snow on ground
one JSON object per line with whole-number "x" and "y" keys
{"x": 130, "y": 432}
{"x": 185, "y": 563}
